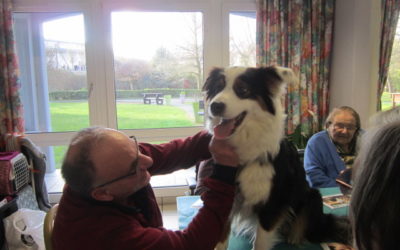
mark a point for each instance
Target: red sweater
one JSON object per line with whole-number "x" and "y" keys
{"x": 86, "y": 224}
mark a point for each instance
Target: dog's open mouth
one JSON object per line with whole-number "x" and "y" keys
{"x": 228, "y": 126}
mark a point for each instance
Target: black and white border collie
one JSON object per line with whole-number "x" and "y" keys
{"x": 273, "y": 200}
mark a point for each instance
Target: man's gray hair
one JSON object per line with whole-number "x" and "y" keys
{"x": 78, "y": 168}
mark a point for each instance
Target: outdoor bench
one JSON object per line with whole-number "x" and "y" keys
{"x": 155, "y": 97}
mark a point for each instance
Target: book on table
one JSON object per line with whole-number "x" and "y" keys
{"x": 336, "y": 200}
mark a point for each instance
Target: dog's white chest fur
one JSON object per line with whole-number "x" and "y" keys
{"x": 255, "y": 182}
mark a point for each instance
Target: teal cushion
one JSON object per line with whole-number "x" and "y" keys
{"x": 243, "y": 243}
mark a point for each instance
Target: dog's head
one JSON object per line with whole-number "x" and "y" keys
{"x": 238, "y": 95}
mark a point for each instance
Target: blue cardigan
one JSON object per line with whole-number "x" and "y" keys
{"x": 322, "y": 162}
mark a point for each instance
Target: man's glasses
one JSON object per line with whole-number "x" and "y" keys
{"x": 342, "y": 126}
{"x": 134, "y": 167}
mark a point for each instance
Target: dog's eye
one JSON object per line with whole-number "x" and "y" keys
{"x": 220, "y": 84}
{"x": 242, "y": 89}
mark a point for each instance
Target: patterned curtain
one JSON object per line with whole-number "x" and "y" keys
{"x": 298, "y": 34}
{"x": 11, "y": 118}
{"x": 389, "y": 16}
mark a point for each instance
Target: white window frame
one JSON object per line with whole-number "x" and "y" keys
{"x": 99, "y": 55}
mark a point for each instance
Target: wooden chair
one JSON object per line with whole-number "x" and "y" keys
{"x": 48, "y": 226}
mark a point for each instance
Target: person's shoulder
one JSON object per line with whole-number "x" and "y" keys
{"x": 319, "y": 136}
{"x": 321, "y": 133}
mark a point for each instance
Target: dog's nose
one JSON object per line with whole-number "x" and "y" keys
{"x": 217, "y": 108}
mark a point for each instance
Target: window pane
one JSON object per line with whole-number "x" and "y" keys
{"x": 391, "y": 94}
{"x": 51, "y": 54}
{"x": 53, "y": 179}
{"x": 158, "y": 63}
{"x": 242, "y": 39}
{"x": 59, "y": 152}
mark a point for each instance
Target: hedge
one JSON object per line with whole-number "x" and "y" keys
{"x": 68, "y": 95}
{"x": 122, "y": 94}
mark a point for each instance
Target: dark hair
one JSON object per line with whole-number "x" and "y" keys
{"x": 78, "y": 168}
{"x": 341, "y": 109}
{"x": 375, "y": 201}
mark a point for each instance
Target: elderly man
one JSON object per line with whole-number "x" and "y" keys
{"x": 108, "y": 202}
{"x": 330, "y": 152}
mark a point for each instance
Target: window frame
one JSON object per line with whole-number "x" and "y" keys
{"x": 99, "y": 55}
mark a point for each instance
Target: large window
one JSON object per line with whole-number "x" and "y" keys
{"x": 158, "y": 64}
{"x": 136, "y": 66}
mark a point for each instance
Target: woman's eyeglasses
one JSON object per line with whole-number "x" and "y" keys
{"x": 341, "y": 126}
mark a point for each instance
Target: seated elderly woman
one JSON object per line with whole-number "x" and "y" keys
{"x": 375, "y": 200}
{"x": 331, "y": 151}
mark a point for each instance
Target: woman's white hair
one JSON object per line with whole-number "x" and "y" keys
{"x": 375, "y": 200}
{"x": 384, "y": 117}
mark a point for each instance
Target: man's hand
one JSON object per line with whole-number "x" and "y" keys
{"x": 223, "y": 153}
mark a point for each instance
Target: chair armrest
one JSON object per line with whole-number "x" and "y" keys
{"x": 191, "y": 181}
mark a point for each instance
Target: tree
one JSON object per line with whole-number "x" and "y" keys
{"x": 130, "y": 72}
{"x": 60, "y": 79}
{"x": 167, "y": 66}
{"x": 192, "y": 51}
{"x": 177, "y": 67}
{"x": 243, "y": 46}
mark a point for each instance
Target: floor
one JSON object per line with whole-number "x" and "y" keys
{"x": 167, "y": 188}
{"x": 170, "y": 216}
{"x": 54, "y": 182}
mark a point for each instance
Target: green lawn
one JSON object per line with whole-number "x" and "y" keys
{"x": 69, "y": 116}
{"x": 59, "y": 152}
{"x": 73, "y": 116}
{"x": 134, "y": 116}
{"x": 386, "y": 101}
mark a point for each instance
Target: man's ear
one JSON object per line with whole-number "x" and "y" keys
{"x": 101, "y": 194}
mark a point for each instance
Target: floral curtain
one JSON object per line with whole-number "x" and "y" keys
{"x": 389, "y": 16}
{"x": 11, "y": 118}
{"x": 298, "y": 34}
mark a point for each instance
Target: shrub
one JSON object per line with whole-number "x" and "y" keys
{"x": 122, "y": 94}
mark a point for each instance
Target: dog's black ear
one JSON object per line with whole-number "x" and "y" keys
{"x": 215, "y": 82}
{"x": 276, "y": 77}
{"x": 271, "y": 78}
{"x": 214, "y": 74}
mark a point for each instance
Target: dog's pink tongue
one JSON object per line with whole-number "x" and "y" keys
{"x": 224, "y": 129}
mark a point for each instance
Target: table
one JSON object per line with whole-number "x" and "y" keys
{"x": 395, "y": 99}
{"x": 156, "y": 97}
{"x": 186, "y": 213}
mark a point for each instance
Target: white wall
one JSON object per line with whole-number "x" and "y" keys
{"x": 354, "y": 74}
